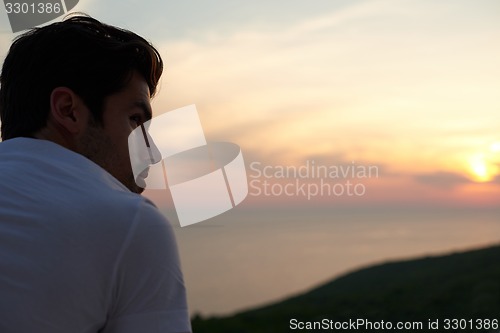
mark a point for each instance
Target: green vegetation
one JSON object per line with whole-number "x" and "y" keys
{"x": 460, "y": 285}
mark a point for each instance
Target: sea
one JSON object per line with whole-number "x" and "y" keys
{"x": 251, "y": 257}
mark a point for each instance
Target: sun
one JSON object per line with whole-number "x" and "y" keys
{"x": 495, "y": 147}
{"x": 482, "y": 170}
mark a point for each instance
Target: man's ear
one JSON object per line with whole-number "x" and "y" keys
{"x": 68, "y": 110}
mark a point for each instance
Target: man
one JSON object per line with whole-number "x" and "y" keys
{"x": 80, "y": 250}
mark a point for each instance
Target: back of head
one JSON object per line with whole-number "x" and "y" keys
{"x": 93, "y": 59}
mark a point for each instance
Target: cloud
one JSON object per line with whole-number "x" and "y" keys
{"x": 357, "y": 12}
{"x": 336, "y": 82}
{"x": 442, "y": 179}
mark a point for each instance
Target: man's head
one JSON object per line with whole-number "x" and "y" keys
{"x": 76, "y": 83}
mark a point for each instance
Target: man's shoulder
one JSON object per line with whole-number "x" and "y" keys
{"x": 32, "y": 161}
{"x": 125, "y": 206}
{"x": 62, "y": 187}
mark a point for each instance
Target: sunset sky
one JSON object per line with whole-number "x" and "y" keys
{"x": 409, "y": 86}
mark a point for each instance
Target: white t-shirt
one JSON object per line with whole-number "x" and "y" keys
{"x": 79, "y": 252}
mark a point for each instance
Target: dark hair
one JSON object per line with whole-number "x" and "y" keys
{"x": 93, "y": 59}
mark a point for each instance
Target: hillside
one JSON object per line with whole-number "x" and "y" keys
{"x": 456, "y": 286}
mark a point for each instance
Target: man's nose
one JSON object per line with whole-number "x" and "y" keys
{"x": 154, "y": 152}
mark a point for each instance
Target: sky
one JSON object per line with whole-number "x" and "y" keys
{"x": 407, "y": 86}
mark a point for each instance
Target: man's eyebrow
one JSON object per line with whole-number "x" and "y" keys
{"x": 146, "y": 108}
